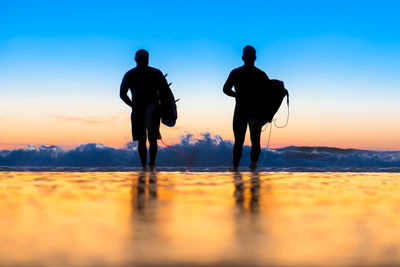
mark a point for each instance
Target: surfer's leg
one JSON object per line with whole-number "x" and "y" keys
{"x": 153, "y": 129}
{"x": 139, "y": 134}
{"x": 255, "y": 136}
{"x": 142, "y": 151}
{"x": 153, "y": 152}
{"x": 239, "y": 131}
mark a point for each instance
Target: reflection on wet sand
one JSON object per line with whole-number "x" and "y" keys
{"x": 253, "y": 204}
{"x": 248, "y": 223}
{"x": 144, "y": 217}
{"x": 141, "y": 186}
{"x": 199, "y": 219}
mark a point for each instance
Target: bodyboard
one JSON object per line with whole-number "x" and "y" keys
{"x": 271, "y": 99}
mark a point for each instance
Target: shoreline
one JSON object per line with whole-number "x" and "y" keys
{"x": 222, "y": 169}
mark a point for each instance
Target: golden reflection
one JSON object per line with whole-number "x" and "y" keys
{"x": 144, "y": 211}
{"x": 253, "y": 202}
{"x": 141, "y": 200}
{"x": 186, "y": 219}
{"x": 248, "y": 223}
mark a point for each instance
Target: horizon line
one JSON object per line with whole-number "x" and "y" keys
{"x": 24, "y": 146}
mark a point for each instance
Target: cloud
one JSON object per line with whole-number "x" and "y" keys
{"x": 207, "y": 151}
{"x": 86, "y": 119}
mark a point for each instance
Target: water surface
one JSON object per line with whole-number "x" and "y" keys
{"x": 199, "y": 219}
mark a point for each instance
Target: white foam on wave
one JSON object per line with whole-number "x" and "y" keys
{"x": 208, "y": 153}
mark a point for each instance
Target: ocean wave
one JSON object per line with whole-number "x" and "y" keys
{"x": 205, "y": 153}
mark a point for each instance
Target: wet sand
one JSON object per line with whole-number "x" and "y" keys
{"x": 199, "y": 219}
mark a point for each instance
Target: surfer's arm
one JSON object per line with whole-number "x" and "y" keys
{"x": 228, "y": 87}
{"x": 123, "y": 93}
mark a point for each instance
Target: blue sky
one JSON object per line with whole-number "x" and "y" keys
{"x": 339, "y": 59}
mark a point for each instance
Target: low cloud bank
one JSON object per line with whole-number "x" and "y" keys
{"x": 207, "y": 151}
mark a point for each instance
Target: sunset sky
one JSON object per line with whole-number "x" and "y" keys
{"x": 61, "y": 64}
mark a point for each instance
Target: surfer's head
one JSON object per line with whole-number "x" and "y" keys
{"x": 249, "y": 54}
{"x": 142, "y": 58}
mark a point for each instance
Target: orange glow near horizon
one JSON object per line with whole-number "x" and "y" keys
{"x": 114, "y": 130}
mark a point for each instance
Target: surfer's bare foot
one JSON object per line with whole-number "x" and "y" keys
{"x": 144, "y": 168}
{"x": 152, "y": 168}
{"x": 234, "y": 169}
{"x": 253, "y": 166}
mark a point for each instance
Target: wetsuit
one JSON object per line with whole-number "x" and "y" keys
{"x": 145, "y": 84}
{"x": 248, "y": 82}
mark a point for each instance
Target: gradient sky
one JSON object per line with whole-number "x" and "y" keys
{"x": 61, "y": 64}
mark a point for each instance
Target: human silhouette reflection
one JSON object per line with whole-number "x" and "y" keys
{"x": 143, "y": 205}
{"x": 253, "y": 203}
{"x": 144, "y": 216}
{"x": 248, "y": 224}
{"x": 141, "y": 189}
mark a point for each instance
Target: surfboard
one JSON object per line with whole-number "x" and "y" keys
{"x": 271, "y": 99}
{"x": 168, "y": 110}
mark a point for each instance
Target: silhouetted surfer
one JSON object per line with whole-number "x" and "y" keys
{"x": 248, "y": 82}
{"x": 146, "y": 84}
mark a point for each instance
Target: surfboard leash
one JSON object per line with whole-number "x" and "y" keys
{"x": 288, "y": 111}
{"x": 270, "y": 129}
{"x": 183, "y": 153}
{"x": 267, "y": 147}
